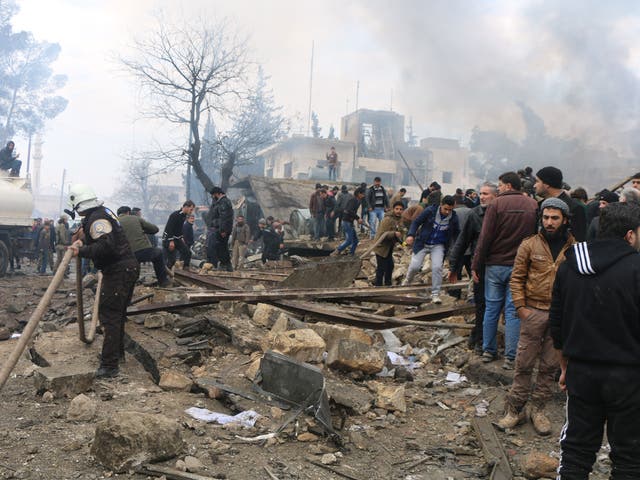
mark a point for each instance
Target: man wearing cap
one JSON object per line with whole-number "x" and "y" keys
{"x": 534, "y": 271}
{"x": 604, "y": 198}
{"x": 549, "y": 184}
{"x": 220, "y": 220}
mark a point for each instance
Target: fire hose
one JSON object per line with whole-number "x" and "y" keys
{"x": 35, "y": 318}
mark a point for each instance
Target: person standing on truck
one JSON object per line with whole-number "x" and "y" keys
{"x": 105, "y": 243}
{"x": 8, "y": 161}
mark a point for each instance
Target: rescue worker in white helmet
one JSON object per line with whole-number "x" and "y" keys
{"x": 106, "y": 244}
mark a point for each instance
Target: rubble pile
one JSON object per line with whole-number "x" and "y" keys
{"x": 281, "y": 389}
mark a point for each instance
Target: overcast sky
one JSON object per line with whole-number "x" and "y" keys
{"x": 451, "y": 65}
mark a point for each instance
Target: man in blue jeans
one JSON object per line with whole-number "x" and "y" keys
{"x": 508, "y": 220}
{"x": 378, "y": 203}
{"x": 349, "y": 215}
{"x": 432, "y": 232}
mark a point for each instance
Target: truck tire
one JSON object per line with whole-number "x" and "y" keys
{"x": 4, "y": 258}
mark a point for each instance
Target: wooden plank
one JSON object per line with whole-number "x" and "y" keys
{"x": 165, "y": 306}
{"x": 303, "y": 293}
{"x": 439, "y": 312}
{"x": 169, "y": 473}
{"x": 492, "y": 448}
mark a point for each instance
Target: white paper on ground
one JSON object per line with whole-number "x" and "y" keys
{"x": 247, "y": 418}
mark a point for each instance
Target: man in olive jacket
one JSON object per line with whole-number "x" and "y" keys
{"x": 136, "y": 230}
{"x": 388, "y": 234}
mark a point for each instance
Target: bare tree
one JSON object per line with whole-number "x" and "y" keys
{"x": 138, "y": 185}
{"x": 258, "y": 124}
{"x": 188, "y": 70}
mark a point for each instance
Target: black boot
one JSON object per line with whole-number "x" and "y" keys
{"x": 107, "y": 372}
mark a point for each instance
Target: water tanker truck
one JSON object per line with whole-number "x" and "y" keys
{"x": 16, "y": 206}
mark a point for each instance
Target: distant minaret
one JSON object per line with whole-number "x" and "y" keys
{"x": 37, "y": 163}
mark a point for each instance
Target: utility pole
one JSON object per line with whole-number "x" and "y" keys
{"x": 310, "y": 90}
{"x": 29, "y": 152}
{"x": 64, "y": 176}
{"x": 357, "y": 93}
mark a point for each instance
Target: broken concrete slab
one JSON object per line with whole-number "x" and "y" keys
{"x": 350, "y": 355}
{"x": 357, "y": 398}
{"x": 128, "y": 439}
{"x": 390, "y": 397}
{"x": 304, "y": 345}
{"x": 5, "y": 333}
{"x": 64, "y": 380}
{"x": 328, "y": 273}
{"x": 286, "y": 322}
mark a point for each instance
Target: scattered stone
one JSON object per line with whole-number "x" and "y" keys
{"x": 128, "y": 439}
{"x": 181, "y": 465}
{"x": 357, "y": 398}
{"x": 66, "y": 380}
{"x": 252, "y": 369}
{"x": 5, "y": 333}
{"x": 285, "y": 322}
{"x": 171, "y": 380}
{"x": 47, "y": 397}
{"x": 351, "y": 355}
{"x": 386, "y": 311}
{"x": 332, "y": 334}
{"x": 539, "y": 465}
{"x": 193, "y": 464}
{"x": 307, "y": 437}
{"x": 390, "y": 397}
{"x": 328, "y": 459}
{"x": 32, "y": 450}
{"x": 15, "y": 308}
{"x": 158, "y": 320}
{"x": 82, "y": 409}
{"x": 266, "y": 314}
{"x": 304, "y": 345}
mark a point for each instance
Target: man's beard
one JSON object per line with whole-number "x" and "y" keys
{"x": 559, "y": 233}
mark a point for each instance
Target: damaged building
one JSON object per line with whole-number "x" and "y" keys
{"x": 372, "y": 144}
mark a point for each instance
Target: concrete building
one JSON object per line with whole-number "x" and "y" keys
{"x": 372, "y": 144}
{"x": 302, "y": 158}
{"x": 448, "y": 163}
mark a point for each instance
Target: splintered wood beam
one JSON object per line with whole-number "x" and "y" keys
{"x": 302, "y": 293}
{"x": 438, "y": 313}
{"x": 492, "y": 448}
{"x": 165, "y": 306}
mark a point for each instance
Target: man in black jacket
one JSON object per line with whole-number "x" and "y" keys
{"x": 220, "y": 223}
{"x": 467, "y": 240}
{"x": 349, "y": 215}
{"x": 172, "y": 241}
{"x": 549, "y": 184}
{"x": 594, "y": 321}
{"x": 105, "y": 243}
{"x": 377, "y": 203}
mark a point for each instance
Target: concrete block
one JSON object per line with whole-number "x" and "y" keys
{"x": 351, "y": 355}
{"x": 64, "y": 380}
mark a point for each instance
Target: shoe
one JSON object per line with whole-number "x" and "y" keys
{"x": 166, "y": 284}
{"x": 435, "y": 299}
{"x": 478, "y": 349}
{"x": 539, "y": 420}
{"x": 488, "y": 357}
{"x": 512, "y": 418}
{"x": 508, "y": 364}
{"x": 107, "y": 372}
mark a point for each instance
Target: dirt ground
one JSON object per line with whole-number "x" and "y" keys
{"x": 434, "y": 439}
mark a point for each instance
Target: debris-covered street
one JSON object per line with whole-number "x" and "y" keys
{"x": 404, "y": 403}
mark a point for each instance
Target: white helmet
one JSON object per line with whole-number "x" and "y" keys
{"x": 82, "y": 198}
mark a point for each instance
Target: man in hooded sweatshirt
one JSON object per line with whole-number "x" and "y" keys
{"x": 595, "y": 326}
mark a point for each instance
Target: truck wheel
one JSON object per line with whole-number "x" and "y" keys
{"x": 4, "y": 258}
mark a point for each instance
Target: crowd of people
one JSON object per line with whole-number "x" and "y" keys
{"x": 562, "y": 270}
